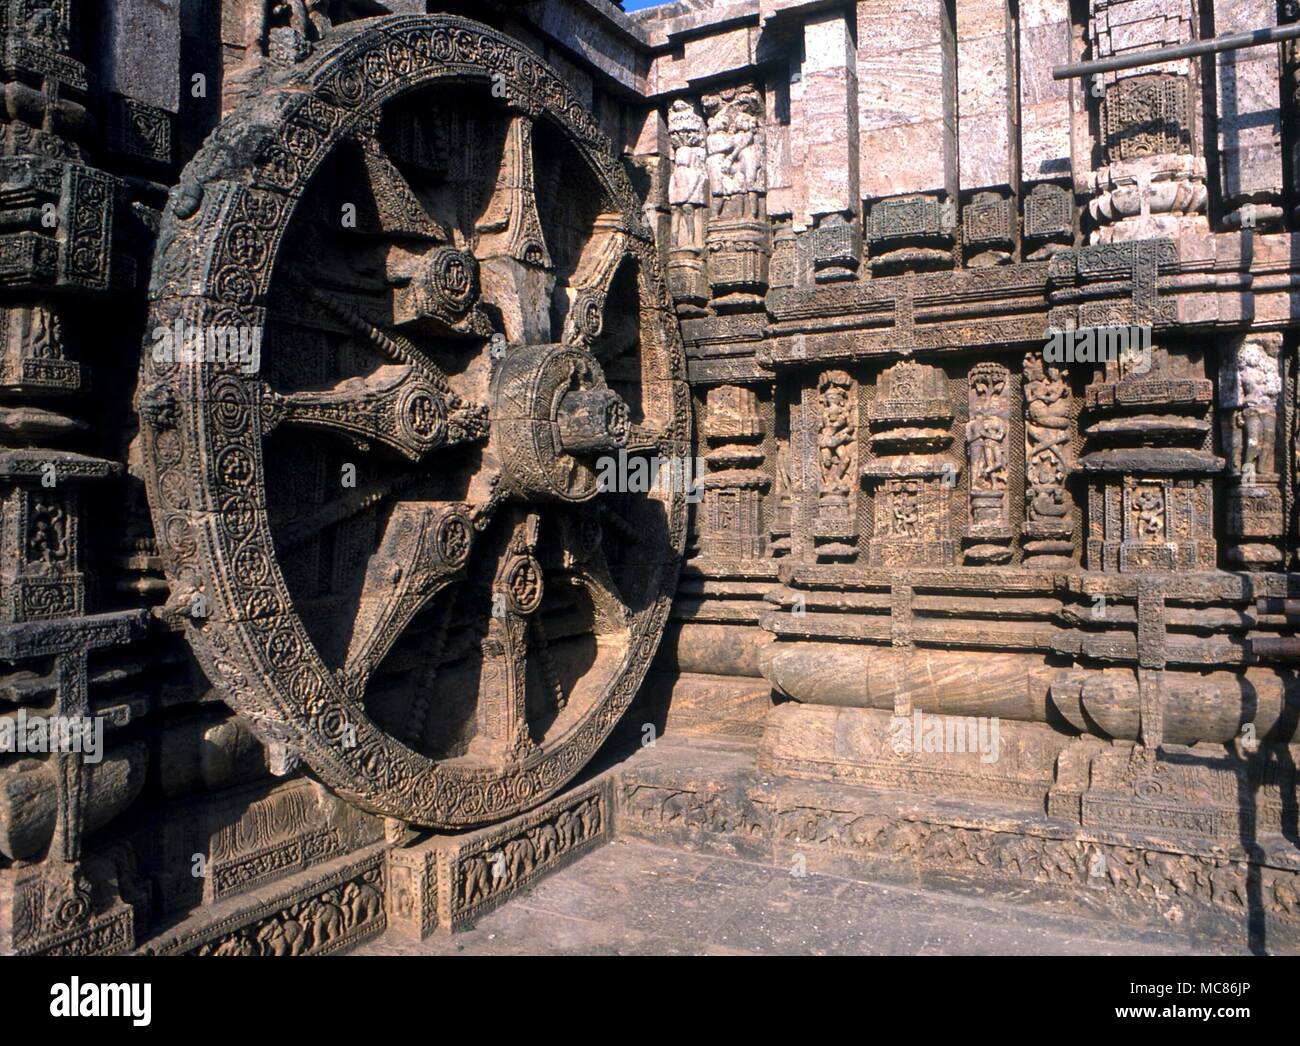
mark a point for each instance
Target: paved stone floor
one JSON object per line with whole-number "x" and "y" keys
{"x": 631, "y": 898}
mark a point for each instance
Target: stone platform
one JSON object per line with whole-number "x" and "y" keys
{"x": 633, "y": 898}
{"x": 710, "y": 854}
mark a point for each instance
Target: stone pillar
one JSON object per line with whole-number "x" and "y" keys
{"x": 907, "y": 114}
{"x": 735, "y": 484}
{"x": 1044, "y": 103}
{"x": 140, "y": 69}
{"x": 58, "y": 249}
{"x": 987, "y": 170}
{"x": 1151, "y": 182}
{"x": 1291, "y": 101}
{"x": 1248, "y": 119}
{"x": 829, "y": 115}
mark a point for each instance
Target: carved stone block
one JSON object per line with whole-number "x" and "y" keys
{"x": 139, "y": 131}
{"x": 1145, "y": 116}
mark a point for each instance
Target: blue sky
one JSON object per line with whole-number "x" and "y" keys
{"x": 636, "y": 5}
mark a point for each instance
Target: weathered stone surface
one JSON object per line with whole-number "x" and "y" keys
{"x": 914, "y": 399}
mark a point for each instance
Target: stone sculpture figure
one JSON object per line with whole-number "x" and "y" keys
{"x": 836, "y": 439}
{"x": 1047, "y": 433}
{"x": 1250, "y": 384}
{"x": 688, "y": 188}
{"x": 735, "y": 151}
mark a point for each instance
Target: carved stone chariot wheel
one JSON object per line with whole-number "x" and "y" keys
{"x": 415, "y": 303}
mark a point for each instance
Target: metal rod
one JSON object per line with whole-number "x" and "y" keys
{"x": 1231, "y": 42}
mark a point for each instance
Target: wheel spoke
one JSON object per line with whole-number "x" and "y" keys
{"x": 585, "y": 564}
{"x": 589, "y": 286}
{"x": 517, "y": 273}
{"x": 397, "y": 208}
{"x": 351, "y": 504}
{"x": 503, "y": 736}
{"x": 424, "y": 548}
{"x": 395, "y": 407}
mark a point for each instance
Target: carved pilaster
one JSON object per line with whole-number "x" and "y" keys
{"x": 1048, "y": 532}
{"x": 735, "y": 484}
{"x": 1151, "y": 181}
{"x": 688, "y": 200}
{"x": 835, "y": 529}
{"x": 988, "y": 437}
{"x": 911, "y": 476}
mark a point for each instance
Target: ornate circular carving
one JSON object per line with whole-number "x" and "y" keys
{"x": 590, "y": 316}
{"x": 453, "y": 278}
{"x": 524, "y": 585}
{"x": 454, "y": 539}
{"x": 224, "y": 238}
{"x": 423, "y": 416}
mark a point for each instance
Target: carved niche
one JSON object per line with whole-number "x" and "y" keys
{"x": 1150, "y": 458}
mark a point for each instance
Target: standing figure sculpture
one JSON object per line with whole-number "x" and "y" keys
{"x": 688, "y": 188}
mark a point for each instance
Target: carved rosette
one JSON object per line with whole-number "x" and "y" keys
{"x": 237, "y": 250}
